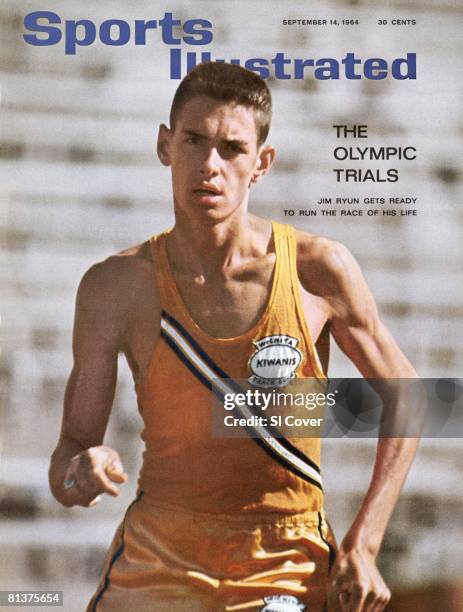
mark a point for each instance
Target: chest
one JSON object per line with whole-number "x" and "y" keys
{"x": 227, "y": 307}
{"x": 222, "y": 308}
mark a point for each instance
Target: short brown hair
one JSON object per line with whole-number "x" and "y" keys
{"x": 227, "y": 83}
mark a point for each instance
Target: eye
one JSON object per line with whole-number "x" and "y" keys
{"x": 235, "y": 147}
{"x": 192, "y": 139}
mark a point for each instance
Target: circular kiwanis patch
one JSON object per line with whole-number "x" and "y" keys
{"x": 283, "y": 603}
{"x": 275, "y": 361}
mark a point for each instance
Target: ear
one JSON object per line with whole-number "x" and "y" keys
{"x": 163, "y": 146}
{"x": 264, "y": 162}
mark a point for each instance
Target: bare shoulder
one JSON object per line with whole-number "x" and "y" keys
{"x": 329, "y": 270}
{"x": 119, "y": 273}
{"x": 110, "y": 291}
{"x": 322, "y": 262}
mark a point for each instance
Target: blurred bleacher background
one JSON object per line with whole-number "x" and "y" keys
{"x": 80, "y": 180}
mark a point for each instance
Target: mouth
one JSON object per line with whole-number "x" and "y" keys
{"x": 207, "y": 190}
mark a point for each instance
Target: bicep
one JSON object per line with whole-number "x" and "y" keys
{"x": 371, "y": 347}
{"x": 357, "y": 327}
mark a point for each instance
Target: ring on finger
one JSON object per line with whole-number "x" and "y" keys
{"x": 68, "y": 483}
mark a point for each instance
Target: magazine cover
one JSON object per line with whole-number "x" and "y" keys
{"x": 364, "y": 150}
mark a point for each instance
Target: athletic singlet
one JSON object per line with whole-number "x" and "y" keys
{"x": 184, "y": 465}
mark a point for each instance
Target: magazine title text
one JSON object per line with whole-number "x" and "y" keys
{"x": 47, "y": 28}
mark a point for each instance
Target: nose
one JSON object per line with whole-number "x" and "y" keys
{"x": 211, "y": 162}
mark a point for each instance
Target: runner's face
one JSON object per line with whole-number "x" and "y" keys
{"x": 214, "y": 157}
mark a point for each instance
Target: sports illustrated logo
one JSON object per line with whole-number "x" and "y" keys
{"x": 283, "y": 603}
{"x": 275, "y": 361}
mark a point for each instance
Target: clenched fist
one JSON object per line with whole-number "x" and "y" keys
{"x": 90, "y": 473}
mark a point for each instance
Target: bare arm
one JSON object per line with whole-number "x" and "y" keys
{"x": 358, "y": 330}
{"x": 79, "y": 456}
{"x": 361, "y": 335}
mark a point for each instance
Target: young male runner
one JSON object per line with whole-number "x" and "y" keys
{"x": 223, "y": 523}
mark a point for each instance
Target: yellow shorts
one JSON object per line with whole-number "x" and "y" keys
{"x": 167, "y": 559}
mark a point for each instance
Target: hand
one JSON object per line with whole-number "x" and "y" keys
{"x": 91, "y": 473}
{"x": 356, "y": 584}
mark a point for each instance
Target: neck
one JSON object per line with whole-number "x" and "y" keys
{"x": 204, "y": 249}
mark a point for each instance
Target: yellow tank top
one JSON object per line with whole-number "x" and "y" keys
{"x": 184, "y": 464}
